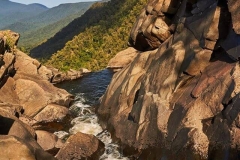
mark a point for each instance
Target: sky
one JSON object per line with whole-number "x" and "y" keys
{"x": 50, "y": 3}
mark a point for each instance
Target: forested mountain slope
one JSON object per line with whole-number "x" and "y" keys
{"x": 38, "y": 28}
{"x": 34, "y": 38}
{"x": 12, "y": 12}
{"x": 50, "y": 16}
{"x": 98, "y": 35}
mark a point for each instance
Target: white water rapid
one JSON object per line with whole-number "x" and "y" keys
{"x": 87, "y": 91}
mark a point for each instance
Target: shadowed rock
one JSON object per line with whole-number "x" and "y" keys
{"x": 179, "y": 100}
{"x": 17, "y": 139}
{"x": 25, "y": 93}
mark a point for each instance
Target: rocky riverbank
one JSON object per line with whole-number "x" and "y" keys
{"x": 31, "y": 109}
{"x": 179, "y": 98}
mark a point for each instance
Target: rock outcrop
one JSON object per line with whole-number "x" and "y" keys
{"x": 180, "y": 97}
{"x": 58, "y": 76}
{"x": 17, "y": 140}
{"x": 29, "y": 101}
{"x": 25, "y": 94}
{"x": 27, "y": 65}
{"x": 122, "y": 59}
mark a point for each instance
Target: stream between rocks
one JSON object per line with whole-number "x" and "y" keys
{"x": 87, "y": 91}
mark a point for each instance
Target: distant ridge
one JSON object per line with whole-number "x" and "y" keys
{"x": 13, "y": 12}
{"x": 38, "y": 4}
{"x": 35, "y": 28}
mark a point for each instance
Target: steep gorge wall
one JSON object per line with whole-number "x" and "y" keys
{"x": 179, "y": 98}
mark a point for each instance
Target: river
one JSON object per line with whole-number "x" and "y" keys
{"x": 87, "y": 91}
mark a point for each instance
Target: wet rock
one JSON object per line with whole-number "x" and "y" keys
{"x": 81, "y": 146}
{"x": 122, "y": 59}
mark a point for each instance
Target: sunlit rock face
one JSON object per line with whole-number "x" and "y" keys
{"x": 27, "y": 98}
{"x": 81, "y": 146}
{"x": 180, "y": 97}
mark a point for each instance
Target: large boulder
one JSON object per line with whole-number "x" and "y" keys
{"x": 17, "y": 139}
{"x": 49, "y": 141}
{"x": 51, "y": 113}
{"x": 14, "y": 148}
{"x": 35, "y": 94}
{"x": 81, "y": 146}
{"x": 180, "y": 100}
{"x": 122, "y": 59}
{"x": 27, "y": 65}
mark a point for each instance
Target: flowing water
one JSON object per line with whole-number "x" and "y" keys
{"x": 88, "y": 90}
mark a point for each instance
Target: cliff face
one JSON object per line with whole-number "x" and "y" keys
{"x": 180, "y": 97}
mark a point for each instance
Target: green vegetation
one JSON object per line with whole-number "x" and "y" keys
{"x": 12, "y": 12}
{"x": 10, "y": 41}
{"x": 33, "y": 38}
{"x": 94, "y": 47}
{"x": 36, "y": 26}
